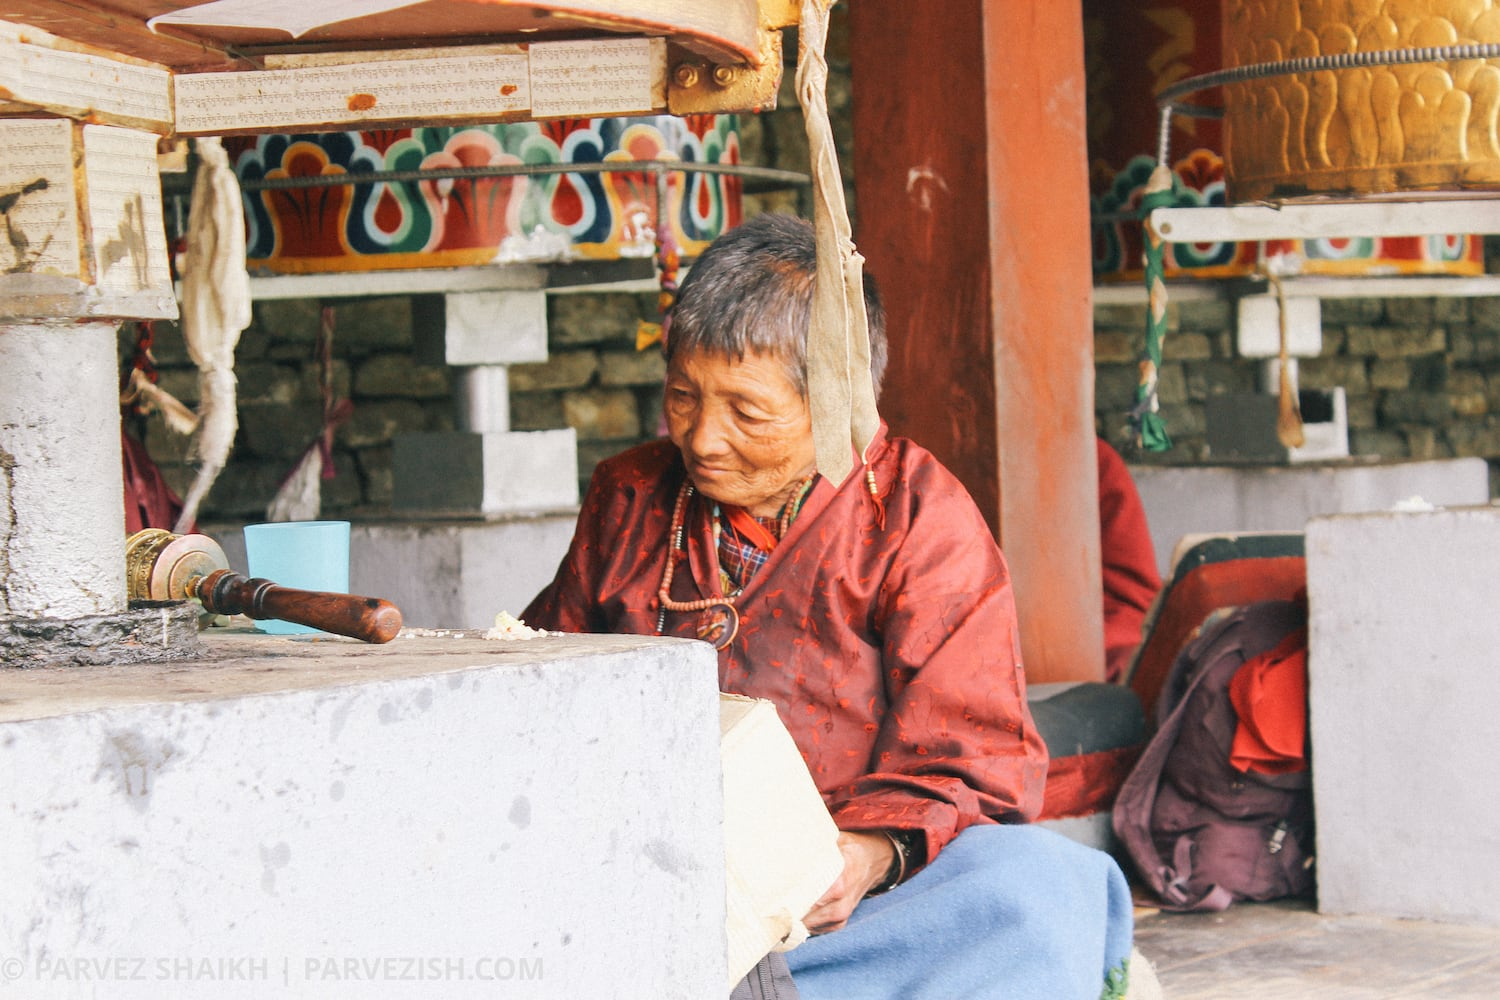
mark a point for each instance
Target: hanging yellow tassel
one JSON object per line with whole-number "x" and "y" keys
{"x": 1289, "y": 429}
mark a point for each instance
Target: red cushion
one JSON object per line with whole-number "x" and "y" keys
{"x": 1199, "y": 593}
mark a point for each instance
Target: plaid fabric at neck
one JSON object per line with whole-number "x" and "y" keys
{"x": 740, "y": 558}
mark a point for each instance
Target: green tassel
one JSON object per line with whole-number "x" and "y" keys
{"x": 1117, "y": 983}
{"x": 1153, "y": 433}
{"x": 1150, "y": 428}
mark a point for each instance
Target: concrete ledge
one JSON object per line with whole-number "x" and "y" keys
{"x": 433, "y": 818}
{"x": 1182, "y": 500}
{"x": 1404, "y": 677}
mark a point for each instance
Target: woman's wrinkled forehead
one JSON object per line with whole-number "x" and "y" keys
{"x": 696, "y": 359}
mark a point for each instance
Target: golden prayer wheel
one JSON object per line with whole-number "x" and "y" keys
{"x": 1135, "y": 52}
{"x": 1425, "y": 122}
{"x": 161, "y": 566}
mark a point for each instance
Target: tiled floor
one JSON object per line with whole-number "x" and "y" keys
{"x": 1272, "y": 951}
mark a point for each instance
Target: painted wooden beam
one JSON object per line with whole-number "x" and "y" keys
{"x": 1321, "y": 220}
{"x": 1041, "y": 283}
{"x": 972, "y": 198}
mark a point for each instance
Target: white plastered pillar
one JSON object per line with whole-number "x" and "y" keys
{"x": 62, "y": 525}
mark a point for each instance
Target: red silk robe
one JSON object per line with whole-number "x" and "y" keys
{"x": 891, "y": 651}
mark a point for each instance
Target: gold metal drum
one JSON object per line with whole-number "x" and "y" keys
{"x": 159, "y": 565}
{"x": 1385, "y": 130}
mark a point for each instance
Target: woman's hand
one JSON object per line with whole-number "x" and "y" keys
{"x": 867, "y": 859}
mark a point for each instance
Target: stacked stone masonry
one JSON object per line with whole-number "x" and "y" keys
{"x": 1421, "y": 375}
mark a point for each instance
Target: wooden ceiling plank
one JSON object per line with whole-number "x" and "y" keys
{"x": 107, "y": 29}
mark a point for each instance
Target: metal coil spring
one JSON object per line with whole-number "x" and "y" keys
{"x": 1167, "y": 99}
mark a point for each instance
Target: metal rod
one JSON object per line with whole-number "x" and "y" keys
{"x": 789, "y": 177}
{"x": 1167, "y": 99}
{"x": 1316, "y": 64}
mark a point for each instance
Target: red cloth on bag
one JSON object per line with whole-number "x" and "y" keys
{"x": 1269, "y": 694}
{"x": 891, "y": 653}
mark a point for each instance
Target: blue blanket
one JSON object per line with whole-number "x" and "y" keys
{"x": 1012, "y": 912}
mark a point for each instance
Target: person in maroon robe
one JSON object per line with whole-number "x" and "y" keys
{"x": 1131, "y": 580}
{"x": 875, "y": 613}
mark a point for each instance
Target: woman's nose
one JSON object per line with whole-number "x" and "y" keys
{"x": 707, "y": 436}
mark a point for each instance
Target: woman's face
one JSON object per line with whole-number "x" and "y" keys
{"x": 744, "y": 430}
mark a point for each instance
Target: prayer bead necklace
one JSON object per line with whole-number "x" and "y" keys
{"x": 718, "y": 629}
{"x": 710, "y": 629}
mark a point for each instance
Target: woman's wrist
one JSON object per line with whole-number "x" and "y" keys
{"x": 904, "y": 847}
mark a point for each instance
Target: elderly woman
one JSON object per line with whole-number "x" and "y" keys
{"x": 877, "y": 615}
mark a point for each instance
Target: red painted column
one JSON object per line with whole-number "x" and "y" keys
{"x": 970, "y": 169}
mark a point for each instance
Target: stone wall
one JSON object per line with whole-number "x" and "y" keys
{"x": 1421, "y": 375}
{"x": 594, "y": 381}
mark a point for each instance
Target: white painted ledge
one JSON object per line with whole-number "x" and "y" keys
{"x": 432, "y": 818}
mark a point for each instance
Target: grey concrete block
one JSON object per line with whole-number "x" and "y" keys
{"x": 1404, "y": 674}
{"x": 496, "y": 328}
{"x": 494, "y": 473}
{"x": 458, "y": 574}
{"x": 1181, "y": 501}
{"x": 536, "y": 818}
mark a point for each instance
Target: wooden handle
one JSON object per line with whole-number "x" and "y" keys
{"x": 368, "y": 618}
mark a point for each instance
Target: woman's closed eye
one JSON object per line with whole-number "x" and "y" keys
{"x": 749, "y": 415}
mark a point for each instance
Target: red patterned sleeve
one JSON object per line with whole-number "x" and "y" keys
{"x": 957, "y": 745}
{"x": 622, "y": 527}
{"x": 567, "y": 604}
{"x": 571, "y": 602}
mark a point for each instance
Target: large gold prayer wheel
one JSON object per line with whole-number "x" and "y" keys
{"x": 1379, "y": 129}
{"x": 1135, "y": 52}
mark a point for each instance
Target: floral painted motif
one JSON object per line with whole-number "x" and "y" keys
{"x": 464, "y": 221}
{"x": 1199, "y": 181}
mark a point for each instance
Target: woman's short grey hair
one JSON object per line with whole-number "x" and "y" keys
{"x": 751, "y": 292}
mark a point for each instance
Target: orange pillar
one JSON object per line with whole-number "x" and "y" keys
{"x": 970, "y": 171}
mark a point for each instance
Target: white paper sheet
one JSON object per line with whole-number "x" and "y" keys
{"x": 295, "y": 17}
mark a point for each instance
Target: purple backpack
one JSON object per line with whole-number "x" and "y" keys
{"x": 1200, "y": 832}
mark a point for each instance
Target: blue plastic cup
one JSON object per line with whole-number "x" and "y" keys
{"x": 303, "y": 555}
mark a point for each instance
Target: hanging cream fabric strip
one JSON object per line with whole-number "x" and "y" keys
{"x": 215, "y": 308}
{"x": 839, "y": 389}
